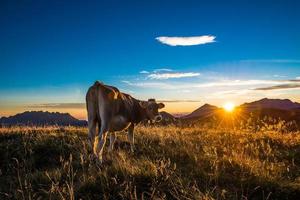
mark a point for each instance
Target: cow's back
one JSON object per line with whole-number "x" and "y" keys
{"x": 102, "y": 97}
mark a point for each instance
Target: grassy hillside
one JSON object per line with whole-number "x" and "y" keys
{"x": 169, "y": 163}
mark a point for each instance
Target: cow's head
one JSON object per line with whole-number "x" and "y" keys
{"x": 151, "y": 108}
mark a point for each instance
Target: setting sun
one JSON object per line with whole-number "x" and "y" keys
{"x": 229, "y": 107}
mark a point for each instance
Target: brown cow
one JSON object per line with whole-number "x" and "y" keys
{"x": 114, "y": 111}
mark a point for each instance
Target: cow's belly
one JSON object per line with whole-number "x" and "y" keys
{"x": 119, "y": 123}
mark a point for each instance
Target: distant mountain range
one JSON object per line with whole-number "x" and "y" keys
{"x": 40, "y": 118}
{"x": 284, "y": 109}
{"x": 282, "y": 104}
{"x": 276, "y": 108}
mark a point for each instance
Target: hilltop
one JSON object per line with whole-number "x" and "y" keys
{"x": 204, "y": 111}
{"x": 40, "y": 118}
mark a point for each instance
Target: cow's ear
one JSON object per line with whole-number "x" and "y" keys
{"x": 161, "y": 105}
{"x": 143, "y": 104}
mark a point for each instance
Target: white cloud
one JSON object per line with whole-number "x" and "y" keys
{"x": 186, "y": 41}
{"x": 159, "y": 85}
{"x": 58, "y": 105}
{"x": 162, "y": 70}
{"x": 144, "y": 72}
{"x": 172, "y": 75}
{"x": 279, "y": 87}
{"x": 226, "y": 93}
{"x": 239, "y": 83}
{"x": 227, "y": 83}
{"x": 278, "y": 76}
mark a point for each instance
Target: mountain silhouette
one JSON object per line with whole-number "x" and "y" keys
{"x": 167, "y": 118}
{"x": 204, "y": 111}
{"x": 282, "y": 104}
{"x": 40, "y": 118}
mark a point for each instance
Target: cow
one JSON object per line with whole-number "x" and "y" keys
{"x": 113, "y": 111}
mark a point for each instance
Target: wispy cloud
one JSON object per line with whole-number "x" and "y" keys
{"x": 172, "y": 75}
{"x": 176, "y": 100}
{"x": 162, "y": 70}
{"x": 227, "y": 83}
{"x": 223, "y": 93}
{"x": 272, "y": 61}
{"x": 280, "y": 87}
{"x": 186, "y": 41}
{"x": 278, "y": 76}
{"x": 167, "y": 73}
{"x": 159, "y": 85}
{"x": 58, "y": 105}
{"x": 246, "y": 83}
{"x": 144, "y": 72}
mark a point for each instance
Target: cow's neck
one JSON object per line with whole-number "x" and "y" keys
{"x": 132, "y": 109}
{"x": 139, "y": 113}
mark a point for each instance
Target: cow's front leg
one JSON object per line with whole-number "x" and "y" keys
{"x": 131, "y": 136}
{"x": 100, "y": 141}
{"x": 112, "y": 140}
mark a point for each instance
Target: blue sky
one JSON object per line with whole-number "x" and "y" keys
{"x": 51, "y": 52}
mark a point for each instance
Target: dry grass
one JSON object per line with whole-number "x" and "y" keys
{"x": 169, "y": 163}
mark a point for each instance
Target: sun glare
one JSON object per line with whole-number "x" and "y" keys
{"x": 229, "y": 107}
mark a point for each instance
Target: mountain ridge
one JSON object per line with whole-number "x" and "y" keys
{"x": 280, "y": 109}
{"x": 38, "y": 118}
{"x": 283, "y": 104}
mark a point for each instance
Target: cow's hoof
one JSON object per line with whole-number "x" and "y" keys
{"x": 110, "y": 150}
{"x": 132, "y": 150}
{"x": 95, "y": 159}
{"x": 99, "y": 162}
{"x": 92, "y": 157}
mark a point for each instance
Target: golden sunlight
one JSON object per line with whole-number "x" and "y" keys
{"x": 229, "y": 107}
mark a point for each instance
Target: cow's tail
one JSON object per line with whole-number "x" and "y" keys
{"x": 98, "y": 99}
{"x": 92, "y": 112}
{"x": 98, "y": 83}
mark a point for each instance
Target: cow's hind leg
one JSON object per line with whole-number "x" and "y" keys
{"x": 112, "y": 140}
{"x": 100, "y": 140}
{"x": 92, "y": 122}
{"x": 131, "y": 137}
